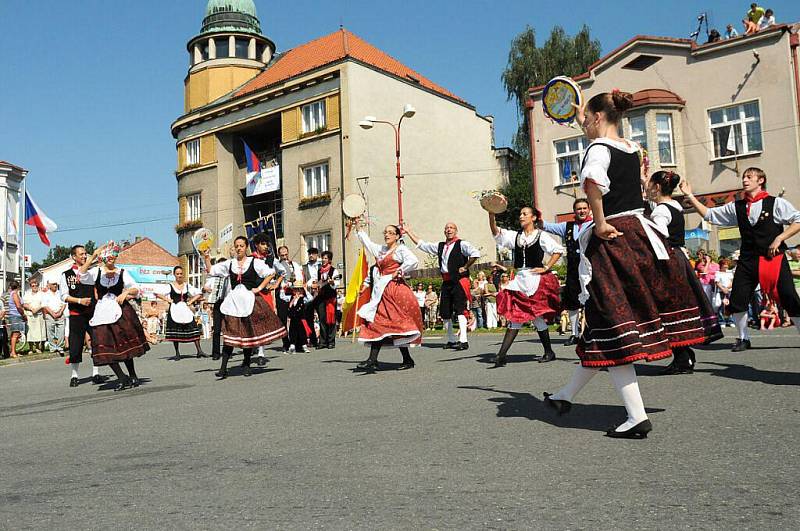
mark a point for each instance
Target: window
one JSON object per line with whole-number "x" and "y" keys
{"x": 320, "y": 240}
{"x": 642, "y": 62}
{"x": 666, "y": 149}
{"x": 242, "y": 45}
{"x": 313, "y": 116}
{"x": 569, "y": 153}
{"x": 736, "y": 130}
{"x": 193, "y": 152}
{"x": 638, "y": 130}
{"x": 193, "y": 207}
{"x": 222, "y": 47}
{"x": 194, "y": 270}
{"x": 315, "y": 180}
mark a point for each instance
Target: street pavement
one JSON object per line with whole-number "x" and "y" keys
{"x": 306, "y": 443}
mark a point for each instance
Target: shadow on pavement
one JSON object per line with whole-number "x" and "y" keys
{"x": 595, "y": 417}
{"x": 750, "y": 374}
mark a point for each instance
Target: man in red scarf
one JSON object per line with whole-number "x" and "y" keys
{"x": 569, "y": 232}
{"x": 761, "y": 219}
{"x": 325, "y": 302}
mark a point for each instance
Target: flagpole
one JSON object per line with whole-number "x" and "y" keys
{"x": 5, "y": 243}
{"x": 24, "y": 212}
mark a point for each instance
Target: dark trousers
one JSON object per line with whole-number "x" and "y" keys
{"x": 327, "y": 332}
{"x": 4, "y": 346}
{"x": 282, "y": 309}
{"x": 745, "y": 280}
{"x": 78, "y": 327}
{"x": 216, "y": 317}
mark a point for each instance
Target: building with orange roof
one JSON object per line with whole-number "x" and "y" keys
{"x": 705, "y": 111}
{"x": 299, "y": 111}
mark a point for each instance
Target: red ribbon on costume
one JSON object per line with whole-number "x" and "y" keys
{"x": 267, "y": 296}
{"x": 330, "y": 311}
{"x": 465, "y": 285}
{"x": 769, "y": 269}
{"x": 580, "y": 223}
{"x": 758, "y": 197}
{"x": 307, "y": 328}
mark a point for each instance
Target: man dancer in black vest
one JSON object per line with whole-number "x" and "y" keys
{"x": 761, "y": 218}
{"x": 455, "y": 258}
{"x": 80, "y": 302}
{"x": 569, "y": 231}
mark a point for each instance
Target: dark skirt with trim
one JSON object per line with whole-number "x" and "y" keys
{"x": 182, "y": 332}
{"x": 708, "y": 317}
{"x": 120, "y": 341}
{"x": 261, "y": 327}
{"x": 639, "y": 307}
{"x": 517, "y": 307}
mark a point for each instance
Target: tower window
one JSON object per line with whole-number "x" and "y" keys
{"x": 242, "y": 45}
{"x": 223, "y": 50}
{"x": 313, "y": 116}
{"x": 193, "y": 152}
{"x": 204, "y": 51}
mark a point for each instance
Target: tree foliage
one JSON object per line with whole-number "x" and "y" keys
{"x": 59, "y": 253}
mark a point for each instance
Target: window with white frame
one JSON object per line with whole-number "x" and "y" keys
{"x": 319, "y": 240}
{"x": 193, "y": 210}
{"x": 638, "y": 133}
{"x": 193, "y": 152}
{"x": 315, "y": 180}
{"x": 736, "y": 130}
{"x": 569, "y": 153}
{"x": 666, "y": 146}
{"x": 313, "y": 116}
{"x": 194, "y": 271}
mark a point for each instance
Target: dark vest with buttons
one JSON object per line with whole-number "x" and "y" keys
{"x": 455, "y": 261}
{"x": 530, "y": 256}
{"x": 625, "y": 190}
{"x": 176, "y": 297}
{"x": 573, "y": 251}
{"x": 116, "y": 289}
{"x": 249, "y": 278}
{"x": 757, "y": 238}
{"x": 79, "y": 291}
{"x": 677, "y": 228}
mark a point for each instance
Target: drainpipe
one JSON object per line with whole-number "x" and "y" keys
{"x": 529, "y": 106}
{"x": 794, "y": 43}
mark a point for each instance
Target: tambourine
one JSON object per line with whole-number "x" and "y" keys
{"x": 493, "y": 202}
{"x": 354, "y": 206}
{"x": 559, "y": 97}
{"x": 203, "y": 240}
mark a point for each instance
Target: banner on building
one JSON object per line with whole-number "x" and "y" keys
{"x": 226, "y": 234}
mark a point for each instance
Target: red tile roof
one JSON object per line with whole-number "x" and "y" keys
{"x": 147, "y": 252}
{"x": 656, "y": 97}
{"x": 332, "y": 48}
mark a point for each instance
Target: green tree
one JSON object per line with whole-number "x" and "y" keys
{"x": 59, "y": 253}
{"x": 528, "y": 66}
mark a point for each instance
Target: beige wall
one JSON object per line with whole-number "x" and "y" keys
{"x": 719, "y": 78}
{"x": 445, "y": 154}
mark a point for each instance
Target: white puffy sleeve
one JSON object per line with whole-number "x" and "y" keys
{"x": 506, "y": 239}
{"x": 724, "y": 215}
{"x": 784, "y": 212}
{"x": 261, "y": 268}
{"x": 428, "y": 247}
{"x": 469, "y": 250}
{"x": 192, "y": 291}
{"x": 373, "y": 248}
{"x": 549, "y": 244}
{"x": 408, "y": 262}
{"x": 90, "y": 277}
{"x": 128, "y": 282}
{"x": 595, "y": 168}
{"x": 661, "y": 216}
{"x": 63, "y": 289}
{"x": 220, "y": 269}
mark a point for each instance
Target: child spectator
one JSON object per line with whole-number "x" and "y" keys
{"x": 769, "y": 315}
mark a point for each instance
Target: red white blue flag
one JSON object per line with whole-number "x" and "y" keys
{"x": 36, "y": 218}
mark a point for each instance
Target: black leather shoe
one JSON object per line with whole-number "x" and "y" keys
{"x": 561, "y": 407}
{"x": 136, "y": 382}
{"x": 674, "y": 368}
{"x": 461, "y": 346}
{"x": 573, "y": 340}
{"x": 123, "y": 384}
{"x": 177, "y": 357}
{"x": 97, "y": 379}
{"x": 246, "y": 370}
{"x": 262, "y": 360}
{"x": 548, "y": 356}
{"x": 202, "y": 354}
{"x": 499, "y": 361}
{"x": 639, "y": 431}
{"x": 741, "y": 345}
{"x": 405, "y": 366}
{"x": 221, "y": 374}
{"x": 215, "y": 357}
{"x": 451, "y": 345}
{"x": 73, "y": 382}
{"x": 368, "y": 365}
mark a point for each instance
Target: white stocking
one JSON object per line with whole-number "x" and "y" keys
{"x": 741, "y": 324}
{"x": 448, "y": 326}
{"x": 95, "y": 370}
{"x": 624, "y": 378}
{"x": 261, "y": 351}
{"x": 580, "y": 378}
{"x": 74, "y": 367}
{"x": 573, "y": 321}
{"x": 462, "y": 328}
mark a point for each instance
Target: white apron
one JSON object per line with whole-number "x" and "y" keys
{"x": 181, "y": 313}
{"x": 106, "y": 311}
{"x": 239, "y": 302}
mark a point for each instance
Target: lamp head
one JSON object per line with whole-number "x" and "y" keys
{"x": 409, "y": 111}
{"x": 367, "y": 123}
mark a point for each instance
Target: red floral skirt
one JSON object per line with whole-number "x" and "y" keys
{"x": 519, "y": 308}
{"x": 120, "y": 341}
{"x": 261, "y": 327}
{"x": 398, "y": 321}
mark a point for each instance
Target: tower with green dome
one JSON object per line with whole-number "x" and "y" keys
{"x": 229, "y": 51}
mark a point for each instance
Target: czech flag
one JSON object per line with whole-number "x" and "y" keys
{"x": 36, "y": 218}
{"x": 253, "y": 163}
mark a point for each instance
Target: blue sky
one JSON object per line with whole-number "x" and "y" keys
{"x": 90, "y": 88}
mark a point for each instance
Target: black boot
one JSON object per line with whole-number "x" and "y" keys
{"x": 544, "y": 337}
{"x": 573, "y": 340}
{"x": 371, "y": 364}
{"x": 508, "y": 339}
{"x": 222, "y": 373}
{"x": 408, "y": 361}
{"x": 132, "y": 373}
{"x": 123, "y": 382}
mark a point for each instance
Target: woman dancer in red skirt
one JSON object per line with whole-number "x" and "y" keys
{"x": 638, "y": 303}
{"x": 533, "y": 295}
{"x": 391, "y": 317}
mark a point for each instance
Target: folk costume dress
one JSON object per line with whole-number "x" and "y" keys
{"x": 760, "y": 220}
{"x": 391, "y": 316}
{"x": 529, "y": 296}
{"x": 117, "y": 333}
{"x": 248, "y": 321}
{"x": 181, "y": 324}
{"x": 639, "y": 305}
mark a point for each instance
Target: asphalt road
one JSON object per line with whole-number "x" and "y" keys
{"x": 309, "y": 444}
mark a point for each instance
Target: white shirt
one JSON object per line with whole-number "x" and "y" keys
{"x": 507, "y": 239}
{"x": 227, "y": 267}
{"x": 598, "y": 159}
{"x": 662, "y": 215}
{"x": 433, "y": 248}
{"x": 313, "y": 268}
{"x": 725, "y": 215}
{"x": 90, "y": 277}
{"x": 765, "y": 22}
{"x": 52, "y": 300}
{"x": 402, "y": 254}
{"x": 724, "y": 278}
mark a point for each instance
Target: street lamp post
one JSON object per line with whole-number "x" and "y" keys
{"x": 367, "y": 123}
